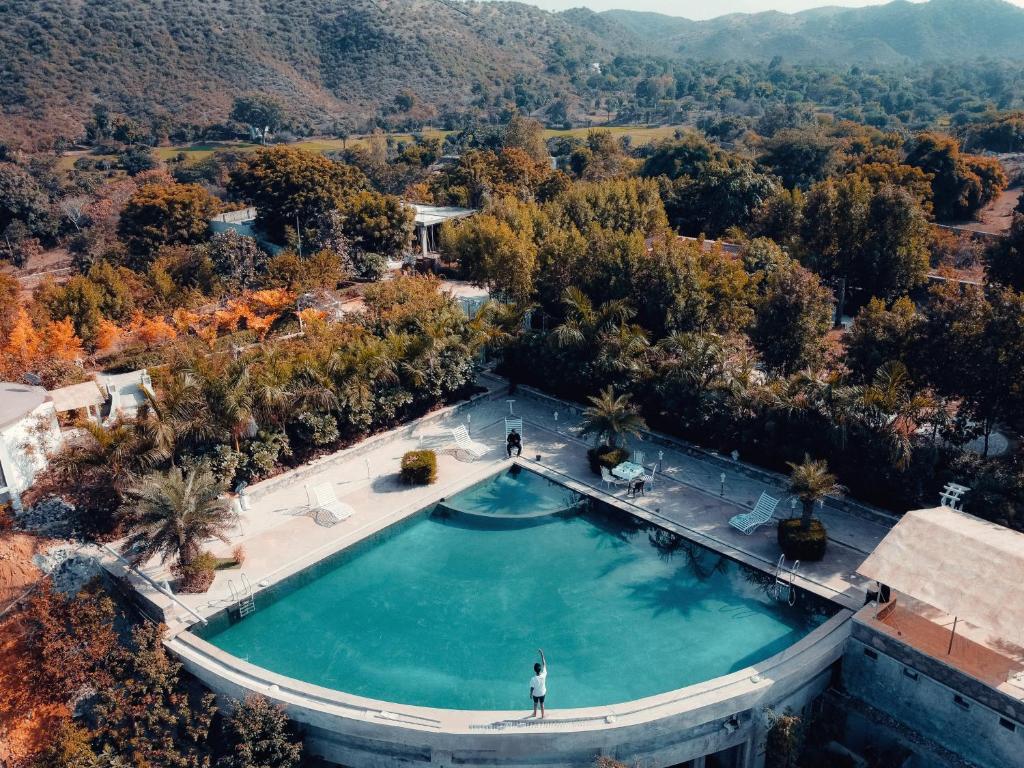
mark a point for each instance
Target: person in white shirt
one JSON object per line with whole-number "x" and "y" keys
{"x": 539, "y": 683}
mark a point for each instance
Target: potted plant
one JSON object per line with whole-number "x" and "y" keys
{"x": 610, "y": 418}
{"x": 805, "y": 537}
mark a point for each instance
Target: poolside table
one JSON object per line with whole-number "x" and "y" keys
{"x": 627, "y": 470}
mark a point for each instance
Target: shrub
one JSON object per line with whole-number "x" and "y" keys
{"x": 419, "y": 467}
{"x": 800, "y": 544}
{"x": 368, "y": 265}
{"x": 238, "y": 554}
{"x": 196, "y": 577}
{"x": 606, "y": 456}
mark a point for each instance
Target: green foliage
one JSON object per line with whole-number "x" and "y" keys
{"x": 611, "y": 417}
{"x": 806, "y": 544}
{"x": 145, "y": 714}
{"x": 961, "y": 184}
{"x": 880, "y": 334}
{"x": 377, "y": 223}
{"x": 289, "y": 185}
{"x": 172, "y": 514}
{"x": 262, "y": 453}
{"x": 785, "y": 742}
{"x": 165, "y": 214}
{"x": 605, "y": 456}
{"x": 792, "y": 315}
{"x": 258, "y": 734}
{"x": 810, "y": 481}
{"x": 318, "y": 429}
{"x": 1005, "y": 259}
{"x": 490, "y": 253}
{"x": 419, "y": 468}
{"x": 259, "y": 111}
{"x": 236, "y": 259}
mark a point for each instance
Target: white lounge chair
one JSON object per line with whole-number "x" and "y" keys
{"x": 748, "y": 522}
{"x": 466, "y": 445}
{"x": 325, "y": 507}
{"x": 516, "y": 424}
{"x": 611, "y": 480}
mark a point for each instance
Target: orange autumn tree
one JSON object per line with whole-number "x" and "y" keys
{"x": 151, "y": 330}
{"x": 108, "y": 335}
{"x": 22, "y": 347}
{"x": 59, "y": 341}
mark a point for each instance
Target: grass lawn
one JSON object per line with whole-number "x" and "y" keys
{"x": 196, "y": 152}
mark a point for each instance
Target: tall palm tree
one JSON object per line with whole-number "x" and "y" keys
{"x": 611, "y": 416}
{"x": 810, "y": 482}
{"x": 172, "y": 514}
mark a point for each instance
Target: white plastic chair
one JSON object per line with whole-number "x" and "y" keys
{"x": 325, "y": 506}
{"x": 510, "y": 424}
{"x": 748, "y": 522}
{"x": 466, "y": 445}
{"x": 611, "y": 480}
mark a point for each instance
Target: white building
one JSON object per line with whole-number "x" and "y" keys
{"x": 28, "y": 432}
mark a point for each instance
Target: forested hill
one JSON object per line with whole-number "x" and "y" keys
{"x": 322, "y": 57}
{"x": 936, "y": 31}
{"x": 412, "y": 62}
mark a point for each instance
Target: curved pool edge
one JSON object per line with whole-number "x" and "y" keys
{"x": 723, "y": 712}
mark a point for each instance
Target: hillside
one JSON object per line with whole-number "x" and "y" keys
{"x": 327, "y": 59}
{"x": 344, "y": 62}
{"x": 900, "y": 32}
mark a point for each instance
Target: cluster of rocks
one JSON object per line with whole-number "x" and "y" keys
{"x": 52, "y": 516}
{"x": 69, "y": 567}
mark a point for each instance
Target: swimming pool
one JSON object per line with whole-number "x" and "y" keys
{"x": 448, "y": 608}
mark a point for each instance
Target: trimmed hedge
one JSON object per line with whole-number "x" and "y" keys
{"x": 419, "y": 467}
{"x": 606, "y": 456}
{"x": 800, "y": 544}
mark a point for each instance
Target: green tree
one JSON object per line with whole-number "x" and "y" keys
{"x": 147, "y": 715}
{"x": 961, "y": 184}
{"x": 291, "y": 186}
{"x": 810, "y": 482}
{"x": 79, "y": 300}
{"x": 377, "y": 223}
{"x": 611, "y": 417}
{"x": 792, "y": 315}
{"x": 882, "y": 334}
{"x": 800, "y": 157}
{"x": 165, "y": 214}
{"x": 490, "y": 253}
{"x": 237, "y": 259}
{"x": 526, "y": 134}
{"x": 172, "y": 514}
{"x": 258, "y": 734}
{"x": 1005, "y": 258}
{"x": 258, "y": 111}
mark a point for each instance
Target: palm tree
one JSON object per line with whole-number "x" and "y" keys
{"x": 172, "y": 514}
{"x": 810, "y": 482}
{"x": 611, "y": 416}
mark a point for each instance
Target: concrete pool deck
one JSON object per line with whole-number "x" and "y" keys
{"x": 725, "y": 715}
{"x": 688, "y": 497}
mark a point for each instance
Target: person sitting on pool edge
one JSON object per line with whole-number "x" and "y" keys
{"x": 515, "y": 440}
{"x": 539, "y": 684}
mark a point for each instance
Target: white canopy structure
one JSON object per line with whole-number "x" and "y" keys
{"x": 958, "y": 563}
{"x": 429, "y": 218}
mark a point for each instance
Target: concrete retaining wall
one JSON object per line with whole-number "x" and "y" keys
{"x": 660, "y": 731}
{"x": 964, "y": 715}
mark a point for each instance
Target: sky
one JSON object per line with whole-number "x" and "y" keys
{"x": 705, "y": 9}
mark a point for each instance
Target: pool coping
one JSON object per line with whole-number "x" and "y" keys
{"x": 827, "y": 640}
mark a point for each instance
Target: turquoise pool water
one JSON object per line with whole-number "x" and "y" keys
{"x": 447, "y": 609}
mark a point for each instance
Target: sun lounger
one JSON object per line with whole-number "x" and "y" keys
{"x": 748, "y": 522}
{"x": 325, "y": 507}
{"x": 466, "y": 445}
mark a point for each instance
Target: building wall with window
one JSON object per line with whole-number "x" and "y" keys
{"x": 28, "y": 432}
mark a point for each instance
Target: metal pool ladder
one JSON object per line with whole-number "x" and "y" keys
{"x": 242, "y": 599}
{"x": 785, "y": 578}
